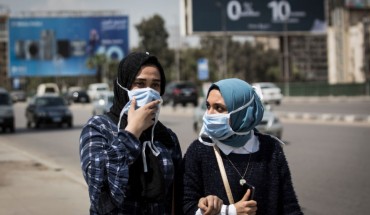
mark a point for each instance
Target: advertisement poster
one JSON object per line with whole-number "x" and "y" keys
{"x": 60, "y": 46}
{"x": 203, "y": 71}
{"x": 256, "y": 16}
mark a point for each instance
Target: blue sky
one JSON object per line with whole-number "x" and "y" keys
{"x": 137, "y": 10}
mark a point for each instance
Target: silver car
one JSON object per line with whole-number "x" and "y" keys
{"x": 270, "y": 123}
{"x": 102, "y": 104}
{"x": 270, "y": 92}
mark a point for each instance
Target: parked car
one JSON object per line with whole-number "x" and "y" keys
{"x": 198, "y": 116}
{"x": 6, "y": 111}
{"x": 103, "y": 104}
{"x": 270, "y": 92}
{"x": 77, "y": 95}
{"x": 180, "y": 93}
{"x": 270, "y": 123}
{"x": 18, "y": 96}
{"x": 94, "y": 90}
{"x": 48, "y": 109}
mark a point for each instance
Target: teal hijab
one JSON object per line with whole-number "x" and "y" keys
{"x": 237, "y": 93}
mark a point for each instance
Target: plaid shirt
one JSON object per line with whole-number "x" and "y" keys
{"x": 106, "y": 156}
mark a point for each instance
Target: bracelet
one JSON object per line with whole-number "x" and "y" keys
{"x": 227, "y": 210}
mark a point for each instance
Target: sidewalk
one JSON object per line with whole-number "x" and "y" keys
{"x": 32, "y": 187}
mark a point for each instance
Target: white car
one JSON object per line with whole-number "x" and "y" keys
{"x": 103, "y": 103}
{"x": 270, "y": 123}
{"x": 95, "y": 90}
{"x": 47, "y": 89}
{"x": 270, "y": 92}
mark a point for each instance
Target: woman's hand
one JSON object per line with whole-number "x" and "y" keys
{"x": 246, "y": 207}
{"x": 142, "y": 118}
{"x": 210, "y": 205}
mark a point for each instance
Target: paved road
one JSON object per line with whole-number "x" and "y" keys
{"x": 328, "y": 161}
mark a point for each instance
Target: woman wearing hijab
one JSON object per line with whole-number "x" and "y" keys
{"x": 129, "y": 158}
{"x": 232, "y": 168}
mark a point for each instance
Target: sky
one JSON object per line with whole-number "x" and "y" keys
{"x": 137, "y": 10}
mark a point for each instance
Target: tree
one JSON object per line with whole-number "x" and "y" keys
{"x": 189, "y": 63}
{"x": 153, "y": 38}
{"x": 245, "y": 60}
{"x": 153, "y": 35}
{"x": 213, "y": 47}
{"x": 98, "y": 62}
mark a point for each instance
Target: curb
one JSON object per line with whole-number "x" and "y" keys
{"x": 314, "y": 99}
{"x": 324, "y": 117}
{"x": 319, "y": 117}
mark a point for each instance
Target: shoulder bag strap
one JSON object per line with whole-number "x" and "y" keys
{"x": 223, "y": 174}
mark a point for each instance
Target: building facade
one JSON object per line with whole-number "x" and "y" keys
{"x": 348, "y": 41}
{"x": 308, "y": 57}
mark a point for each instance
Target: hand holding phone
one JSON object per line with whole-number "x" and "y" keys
{"x": 251, "y": 204}
{"x": 247, "y": 186}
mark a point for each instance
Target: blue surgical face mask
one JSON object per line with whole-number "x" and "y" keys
{"x": 217, "y": 126}
{"x": 143, "y": 96}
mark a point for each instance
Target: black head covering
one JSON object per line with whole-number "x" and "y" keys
{"x": 148, "y": 185}
{"x": 128, "y": 69}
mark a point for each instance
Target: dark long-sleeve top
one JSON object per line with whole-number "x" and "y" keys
{"x": 106, "y": 156}
{"x": 268, "y": 172}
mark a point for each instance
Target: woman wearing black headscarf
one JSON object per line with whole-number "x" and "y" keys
{"x": 129, "y": 158}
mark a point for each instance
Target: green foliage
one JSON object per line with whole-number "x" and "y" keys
{"x": 111, "y": 73}
{"x": 153, "y": 39}
{"x": 98, "y": 62}
{"x": 189, "y": 62}
{"x": 245, "y": 60}
{"x": 106, "y": 68}
{"x": 153, "y": 35}
{"x": 273, "y": 74}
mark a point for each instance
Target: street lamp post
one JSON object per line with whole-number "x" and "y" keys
{"x": 224, "y": 45}
{"x": 286, "y": 60}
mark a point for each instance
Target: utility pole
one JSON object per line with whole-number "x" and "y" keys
{"x": 224, "y": 44}
{"x": 224, "y": 48}
{"x": 286, "y": 59}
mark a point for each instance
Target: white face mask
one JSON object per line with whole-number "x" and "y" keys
{"x": 143, "y": 96}
{"x": 217, "y": 126}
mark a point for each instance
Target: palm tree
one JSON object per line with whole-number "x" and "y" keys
{"x": 98, "y": 62}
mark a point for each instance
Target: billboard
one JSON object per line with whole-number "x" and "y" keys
{"x": 203, "y": 70}
{"x": 255, "y": 16}
{"x": 60, "y": 46}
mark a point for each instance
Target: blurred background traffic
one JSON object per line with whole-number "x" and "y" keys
{"x": 310, "y": 61}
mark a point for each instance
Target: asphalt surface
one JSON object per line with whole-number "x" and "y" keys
{"x": 32, "y": 186}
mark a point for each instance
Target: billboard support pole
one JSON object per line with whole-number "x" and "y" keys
{"x": 224, "y": 42}
{"x": 286, "y": 59}
{"x": 224, "y": 52}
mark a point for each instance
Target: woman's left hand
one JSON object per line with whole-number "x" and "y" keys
{"x": 246, "y": 207}
{"x": 210, "y": 205}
